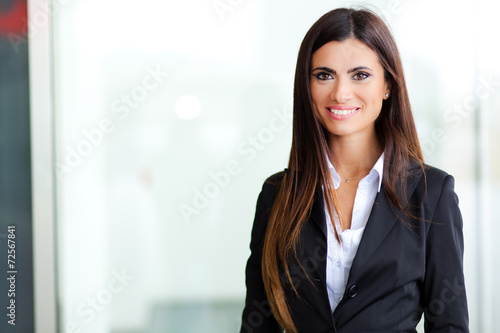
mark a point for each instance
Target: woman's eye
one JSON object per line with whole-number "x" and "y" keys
{"x": 361, "y": 76}
{"x": 323, "y": 76}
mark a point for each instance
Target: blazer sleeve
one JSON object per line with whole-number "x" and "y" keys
{"x": 444, "y": 298}
{"x": 257, "y": 315}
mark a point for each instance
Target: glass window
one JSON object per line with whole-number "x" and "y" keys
{"x": 170, "y": 115}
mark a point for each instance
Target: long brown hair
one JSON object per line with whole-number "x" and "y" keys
{"x": 394, "y": 127}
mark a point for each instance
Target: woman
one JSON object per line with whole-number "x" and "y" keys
{"x": 357, "y": 234}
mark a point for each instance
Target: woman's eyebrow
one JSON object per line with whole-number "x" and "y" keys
{"x": 359, "y": 68}
{"x": 326, "y": 69}
{"x": 329, "y": 70}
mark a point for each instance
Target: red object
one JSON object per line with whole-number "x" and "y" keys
{"x": 14, "y": 20}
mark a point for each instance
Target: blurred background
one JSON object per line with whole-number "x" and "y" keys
{"x": 167, "y": 116}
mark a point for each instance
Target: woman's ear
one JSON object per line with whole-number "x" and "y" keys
{"x": 387, "y": 91}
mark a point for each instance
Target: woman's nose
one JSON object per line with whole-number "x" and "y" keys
{"x": 341, "y": 91}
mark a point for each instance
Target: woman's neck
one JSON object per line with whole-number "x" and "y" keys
{"x": 353, "y": 156}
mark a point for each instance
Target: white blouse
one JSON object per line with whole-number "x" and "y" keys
{"x": 340, "y": 256}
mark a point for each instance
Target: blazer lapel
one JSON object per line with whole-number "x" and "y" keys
{"x": 318, "y": 214}
{"x": 380, "y": 222}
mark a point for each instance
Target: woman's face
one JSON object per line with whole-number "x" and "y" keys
{"x": 347, "y": 88}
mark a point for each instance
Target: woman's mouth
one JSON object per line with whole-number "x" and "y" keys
{"x": 342, "y": 112}
{"x": 338, "y": 112}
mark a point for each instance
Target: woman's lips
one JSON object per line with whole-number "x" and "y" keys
{"x": 338, "y": 112}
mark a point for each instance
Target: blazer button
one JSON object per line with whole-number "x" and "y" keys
{"x": 353, "y": 291}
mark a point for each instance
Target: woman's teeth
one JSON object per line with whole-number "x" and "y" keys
{"x": 341, "y": 112}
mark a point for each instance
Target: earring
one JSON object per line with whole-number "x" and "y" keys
{"x": 386, "y": 95}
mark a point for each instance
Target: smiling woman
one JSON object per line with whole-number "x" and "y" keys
{"x": 357, "y": 234}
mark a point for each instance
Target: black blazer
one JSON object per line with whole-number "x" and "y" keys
{"x": 398, "y": 272}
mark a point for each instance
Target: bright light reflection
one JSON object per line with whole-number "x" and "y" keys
{"x": 188, "y": 107}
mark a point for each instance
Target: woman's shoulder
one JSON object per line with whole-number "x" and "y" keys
{"x": 425, "y": 184}
{"x": 434, "y": 172}
{"x": 436, "y": 176}
{"x": 272, "y": 184}
{"x": 433, "y": 183}
{"x": 276, "y": 178}
{"x": 427, "y": 173}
